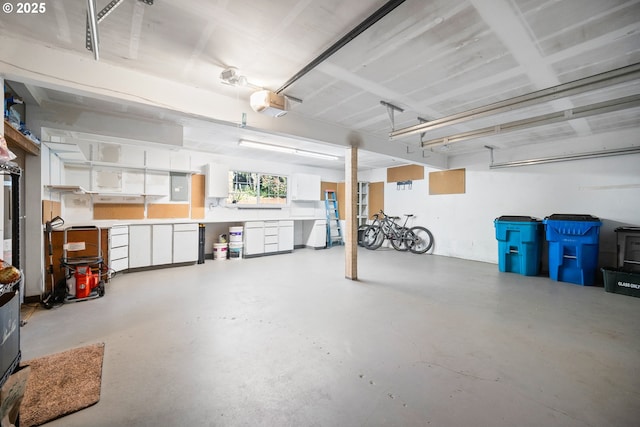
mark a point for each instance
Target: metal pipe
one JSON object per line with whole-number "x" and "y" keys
{"x": 609, "y": 78}
{"x": 569, "y": 157}
{"x": 93, "y": 27}
{"x": 359, "y": 29}
{"x": 544, "y": 119}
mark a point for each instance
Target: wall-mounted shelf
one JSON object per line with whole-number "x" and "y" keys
{"x": 15, "y": 138}
{"x": 75, "y": 189}
{"x": 90, "y": 163}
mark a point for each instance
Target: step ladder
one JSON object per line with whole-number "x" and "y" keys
{"x": 334, "y": 230}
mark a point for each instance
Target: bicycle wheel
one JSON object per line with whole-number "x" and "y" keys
{"x": 399, "y": 240}
{"x": 419, "y": 240}
{"x": 372, "y": 237}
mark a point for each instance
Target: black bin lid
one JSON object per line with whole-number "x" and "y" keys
{"x": 572, "y": 217}
{"x": 517, "y": 218}
{"x": 628, "y": 229}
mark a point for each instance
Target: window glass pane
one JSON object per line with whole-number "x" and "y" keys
{"x": 273, "y": 189}
{"x": 250, "y": 188}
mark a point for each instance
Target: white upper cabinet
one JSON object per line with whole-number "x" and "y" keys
{"x": 180, "y": 160}
{"x": 305, "y": 187}
{"x": 133, "y": 181}
{"x": 217, "y": 180}
{"x": 158, "y": 183}
{"x": 158, "y": 159}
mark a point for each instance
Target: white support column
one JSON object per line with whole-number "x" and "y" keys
{"x": 351, "y": 220}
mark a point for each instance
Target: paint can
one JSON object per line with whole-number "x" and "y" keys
{"x": 219, "y": 251}
{"x": 235, "y": 234}
{"x": 235, "y": 250}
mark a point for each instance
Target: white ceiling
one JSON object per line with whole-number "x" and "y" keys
{"x": 430, "y": 58}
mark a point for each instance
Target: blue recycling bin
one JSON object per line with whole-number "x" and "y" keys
{"x": 573, "y": 247}
{"x": 519, "y": 244}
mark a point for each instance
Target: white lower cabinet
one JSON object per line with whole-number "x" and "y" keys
{"x": 318, "y": 237}
{"x": 139, "y": 246}
{"x": 267, "y": 237}
{"x": 161, "y": 244}
{"x": 185, "y": 243}
{"x": 270, "y": 236}
{"x": 285, "y": 236}
{"x": 253, "y": 238}
{"x": 119, "y": 248}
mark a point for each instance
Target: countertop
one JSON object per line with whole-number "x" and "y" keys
{"x": 116, "y": 223}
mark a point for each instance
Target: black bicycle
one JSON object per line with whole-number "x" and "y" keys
{"x": 417, "y": 240}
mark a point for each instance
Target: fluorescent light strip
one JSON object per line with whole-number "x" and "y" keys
{"x": 289, "y": 150}
{"x": 268, "y": 147}
{"x": 316, "y": 155}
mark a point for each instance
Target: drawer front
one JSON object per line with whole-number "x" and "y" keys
{"x": 121, "y": 252}
{"x": 254, "y": 224}
{"x": 185, "y": 227}
{"x": 120, "y": 240}
{"x": 115, "y": 231}
{"x": 269, "y": 240}
{"x": 120, "y": 264}
{"x": 286, "y": 223}
{"x": 271, "y": 231}
{"x": 273, "y": 247}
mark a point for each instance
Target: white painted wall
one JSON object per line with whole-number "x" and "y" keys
{"x": 462, "y": 224}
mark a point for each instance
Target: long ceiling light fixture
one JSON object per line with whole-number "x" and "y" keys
{"x": 282, "y": 149}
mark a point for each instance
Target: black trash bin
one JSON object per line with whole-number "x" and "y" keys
{"x": 201, "y": 230}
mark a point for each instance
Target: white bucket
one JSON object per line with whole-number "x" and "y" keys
{"x": 235, "y": 250}
{"x": 219, "y": 251}
{"x": 235, "y": 234}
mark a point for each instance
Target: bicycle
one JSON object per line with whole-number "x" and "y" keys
{"x": 416, "y": 239}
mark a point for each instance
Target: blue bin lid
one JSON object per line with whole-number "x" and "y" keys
{"x": 572, "y": 217}
{"x": 517, "y": 218}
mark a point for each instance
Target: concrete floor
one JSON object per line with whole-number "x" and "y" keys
{"x": 419, "y": 340}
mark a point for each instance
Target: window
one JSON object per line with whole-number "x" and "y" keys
{"x": 251, "y": 188}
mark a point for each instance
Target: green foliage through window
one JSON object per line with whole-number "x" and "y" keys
{"x": 251, "y": 188}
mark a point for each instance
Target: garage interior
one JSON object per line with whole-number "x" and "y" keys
{"x": 534, "y": 103}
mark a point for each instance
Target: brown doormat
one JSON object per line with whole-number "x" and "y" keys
{"x": 62, "y": 383}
